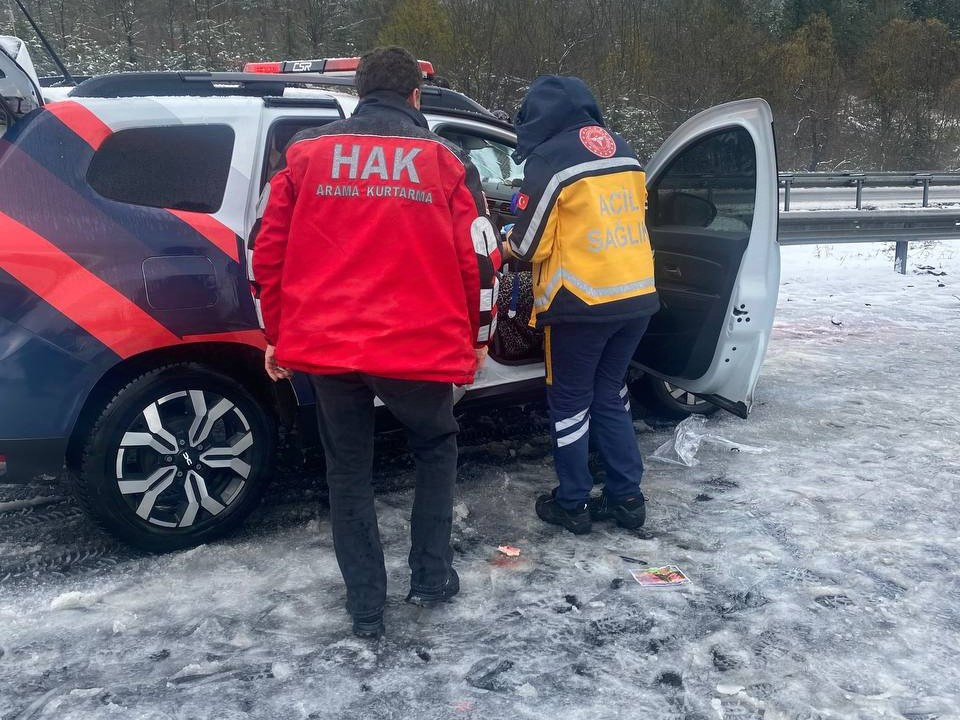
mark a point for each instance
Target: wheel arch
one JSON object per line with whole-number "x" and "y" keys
{"x": 240, "y": 362}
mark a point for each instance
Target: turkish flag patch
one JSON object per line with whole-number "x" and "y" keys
{"x": 522, "y": 201}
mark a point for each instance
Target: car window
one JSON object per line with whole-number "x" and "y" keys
{"x": 278, "y": 137}
{"x": 711, "y": 184}
{"x": 181, "y": 167}
{"x": 500, "y": 175}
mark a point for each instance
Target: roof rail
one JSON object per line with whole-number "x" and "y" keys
{"x": 225, "y": 84}
{"x": 62, "y": 81}
{"x": 195, "y": 84}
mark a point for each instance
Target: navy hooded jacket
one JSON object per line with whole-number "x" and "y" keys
{"x": 580, "y": 210}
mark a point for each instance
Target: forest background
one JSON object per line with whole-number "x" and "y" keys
{"x": 854, "y": 84}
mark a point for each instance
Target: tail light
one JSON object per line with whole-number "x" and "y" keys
{"x": 263, "y": 67}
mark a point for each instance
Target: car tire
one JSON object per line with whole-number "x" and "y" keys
{"x": 661, "y": 399}
{"x": 136, "y": 487}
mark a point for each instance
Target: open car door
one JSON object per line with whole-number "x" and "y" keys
{"x": 712, "y": 218}
{"x": 19, "y": 89}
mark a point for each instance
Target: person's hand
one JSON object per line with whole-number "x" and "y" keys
{"x": 270, "y": 365}
{"x": 505, "y": 250}
{"x": 481, "y": 356}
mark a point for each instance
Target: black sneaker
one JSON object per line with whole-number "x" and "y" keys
{"x": 576, "y": 521}
{"x": 426, "y": 598}
{"x": 629, "y": 513}
{"x": 370, "y": 626}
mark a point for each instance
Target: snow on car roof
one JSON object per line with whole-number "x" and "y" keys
{"x": 348, "y": 101}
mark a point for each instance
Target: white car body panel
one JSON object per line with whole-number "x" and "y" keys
{"x": 743, "y": 343}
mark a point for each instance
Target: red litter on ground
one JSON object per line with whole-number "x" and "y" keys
{"x": 509, "y": 550}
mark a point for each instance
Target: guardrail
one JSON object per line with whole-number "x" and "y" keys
{"x": 923, "y": 180}
{"x": 854, "y": 226}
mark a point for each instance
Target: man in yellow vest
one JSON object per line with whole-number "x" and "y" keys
{"x": 581, "y": 223}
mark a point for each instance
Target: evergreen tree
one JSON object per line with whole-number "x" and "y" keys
{"x": 421, "y": 26}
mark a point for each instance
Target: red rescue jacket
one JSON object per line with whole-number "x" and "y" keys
{"x": 373, "y": 254}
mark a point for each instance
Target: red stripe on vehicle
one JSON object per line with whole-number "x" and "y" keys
{"x": 244, "y": 337}
{"x": 81, "y": 121}
{"x": 213, "y": 230}
{"x": 61, "y": 281}
{"x": 97, "y": 307}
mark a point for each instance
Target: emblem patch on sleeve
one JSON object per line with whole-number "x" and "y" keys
{"x": 519, "y": 202}
{"x": 598, "y": 141}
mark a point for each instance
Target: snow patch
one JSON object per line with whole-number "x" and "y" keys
{"x": 74, "y": 600}
{"x": 32, "y": 502}
{"x": 199, "y": 669}
{"x": 527, "y": 690}
{"x": 282, "y": 671}
{"x": 729, "y": 689}
{"x": 718, "y": 707}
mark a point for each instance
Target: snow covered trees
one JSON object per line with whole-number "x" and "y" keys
{"x": 854, "y": 85}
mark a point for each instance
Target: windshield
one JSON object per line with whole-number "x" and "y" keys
{"x": 499, "y": 174}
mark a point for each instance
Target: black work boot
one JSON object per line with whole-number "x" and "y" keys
{"x": 576, "y": 521}
{"x": 629, "y": 513}
{"x": 369, "y": 626}
{"x": 427, "y": 598}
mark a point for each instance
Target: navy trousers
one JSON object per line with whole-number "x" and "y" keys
{"x": 587, "y": 396}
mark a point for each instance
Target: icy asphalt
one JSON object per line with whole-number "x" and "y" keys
{"x": 824, "y": 572}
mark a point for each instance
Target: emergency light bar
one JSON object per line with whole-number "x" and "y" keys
{"x": 326, "y": 65}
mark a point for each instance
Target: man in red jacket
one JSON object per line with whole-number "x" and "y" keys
{"x": 376, "y": 267}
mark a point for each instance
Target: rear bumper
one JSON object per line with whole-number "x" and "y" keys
{"x": 22, "y": 461}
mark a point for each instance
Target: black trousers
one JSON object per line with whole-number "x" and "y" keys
{"x": 346, "y": 417}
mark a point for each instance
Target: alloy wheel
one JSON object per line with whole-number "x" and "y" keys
{"x": 184, "y": 459}
{"x": 683, "y": 397}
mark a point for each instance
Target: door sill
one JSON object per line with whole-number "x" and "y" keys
{"x": 739, "y": 409}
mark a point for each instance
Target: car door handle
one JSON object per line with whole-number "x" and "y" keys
{"x": 672, "y": 271}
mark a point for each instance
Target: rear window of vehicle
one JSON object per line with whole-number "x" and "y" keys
{"x": 278, "y": 138}
{"x": 181, "y": 167}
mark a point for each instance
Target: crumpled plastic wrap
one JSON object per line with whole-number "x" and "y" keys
{"x": 682, "y": 448}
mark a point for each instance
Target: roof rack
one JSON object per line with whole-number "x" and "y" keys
{"x": 193, "y": 84}
{"x": 227, "y": 84}
{"x": 61, "y": 80}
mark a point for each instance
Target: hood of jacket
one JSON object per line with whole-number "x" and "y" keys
{"x": 389, "y": 101}
{"x": 553, "y": 104}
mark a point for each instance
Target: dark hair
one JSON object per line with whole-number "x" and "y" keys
{"x": 388, "y": 68}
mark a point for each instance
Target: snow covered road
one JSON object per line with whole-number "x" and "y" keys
{"x": 825, "y": 572}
